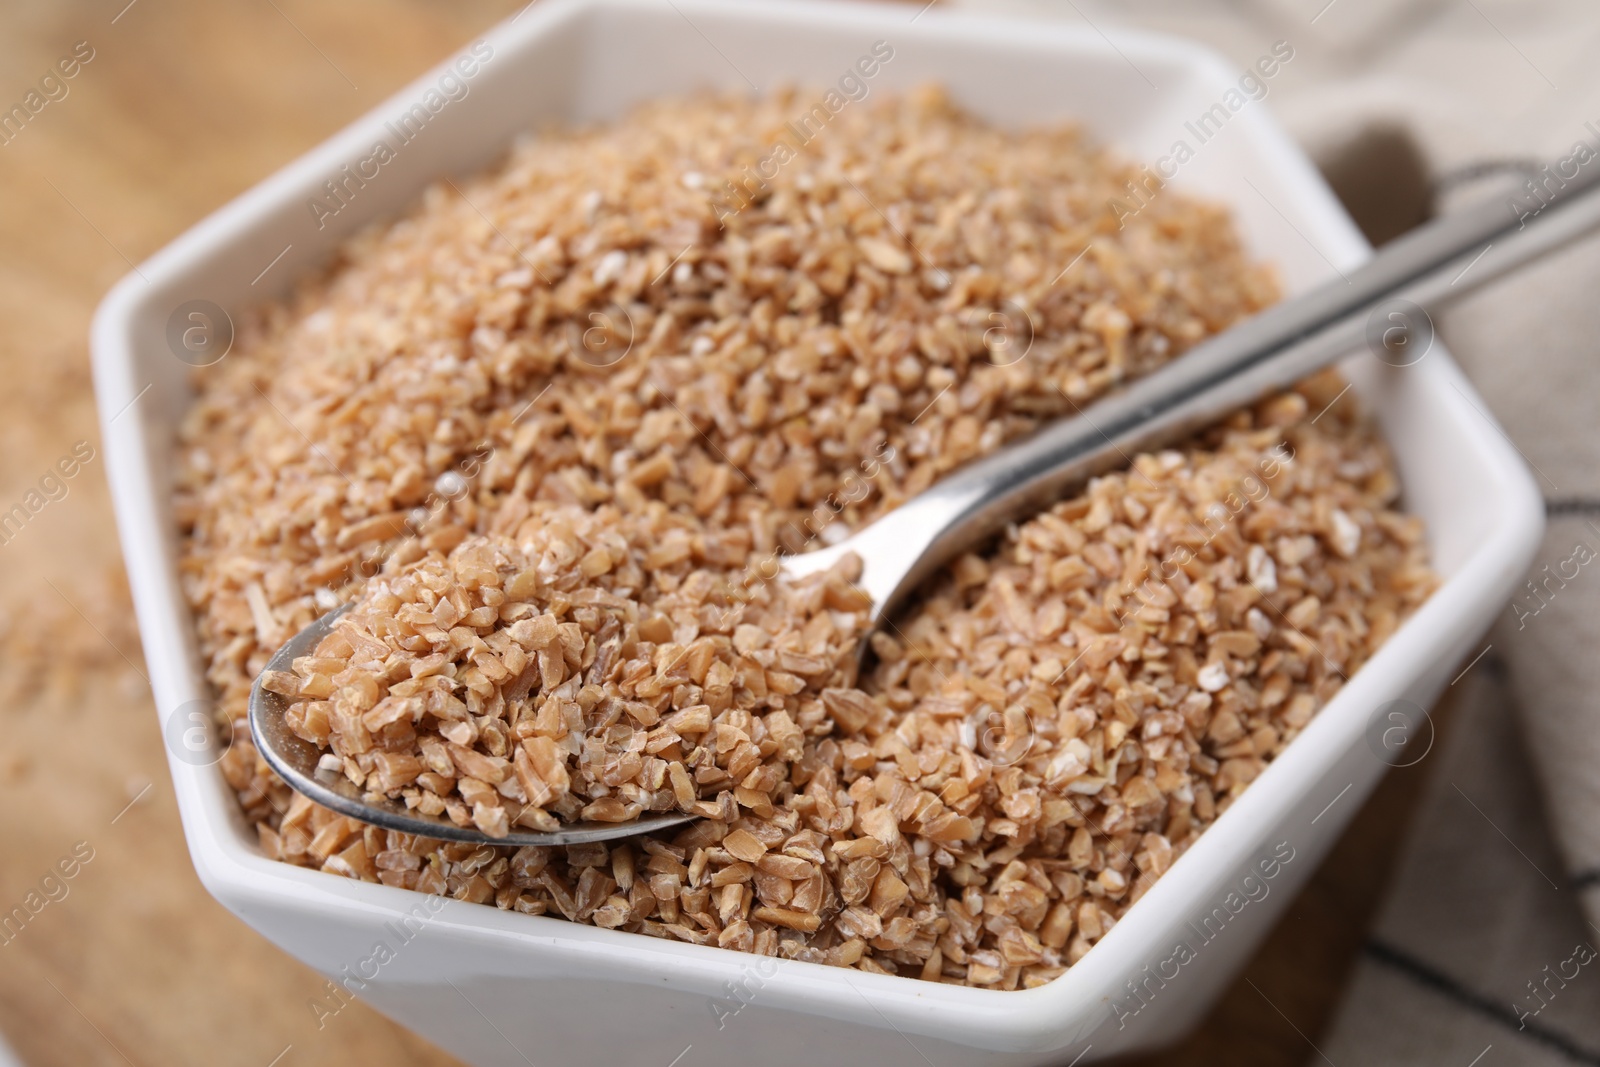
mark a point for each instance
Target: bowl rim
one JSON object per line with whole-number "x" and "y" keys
{"x": 235, "y": 872}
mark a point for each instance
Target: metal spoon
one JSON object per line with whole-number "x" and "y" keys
{"x": 1376, "y": 303}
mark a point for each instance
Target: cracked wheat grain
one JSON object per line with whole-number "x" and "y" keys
{"x": 1057, "y": 719}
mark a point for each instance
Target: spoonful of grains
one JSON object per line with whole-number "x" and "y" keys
{"x": 588, "y": 675}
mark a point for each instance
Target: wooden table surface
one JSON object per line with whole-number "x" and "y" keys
{"x": 182, "y": 106}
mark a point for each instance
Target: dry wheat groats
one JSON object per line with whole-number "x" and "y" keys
{"x": 590, "y": 665}
{"x": 569, "y": 356}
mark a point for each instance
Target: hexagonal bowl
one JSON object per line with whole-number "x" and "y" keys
{"x": 502, "y": 988}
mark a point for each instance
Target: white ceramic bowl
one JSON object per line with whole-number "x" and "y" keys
{"x": 501, "y": 988}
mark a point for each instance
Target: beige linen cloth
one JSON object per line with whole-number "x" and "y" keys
{"x": 1483, "y": 953}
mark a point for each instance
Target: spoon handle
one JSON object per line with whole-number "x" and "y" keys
{"x": 1429, "y": 266}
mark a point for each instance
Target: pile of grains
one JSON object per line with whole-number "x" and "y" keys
{"x": 603, "y": 671}
{"x": 585, "y": 355}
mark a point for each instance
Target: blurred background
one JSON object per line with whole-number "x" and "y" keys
{"x": 1421, "y": 938}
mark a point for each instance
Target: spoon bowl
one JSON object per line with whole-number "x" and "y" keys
{"x": 296, "y": 761}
